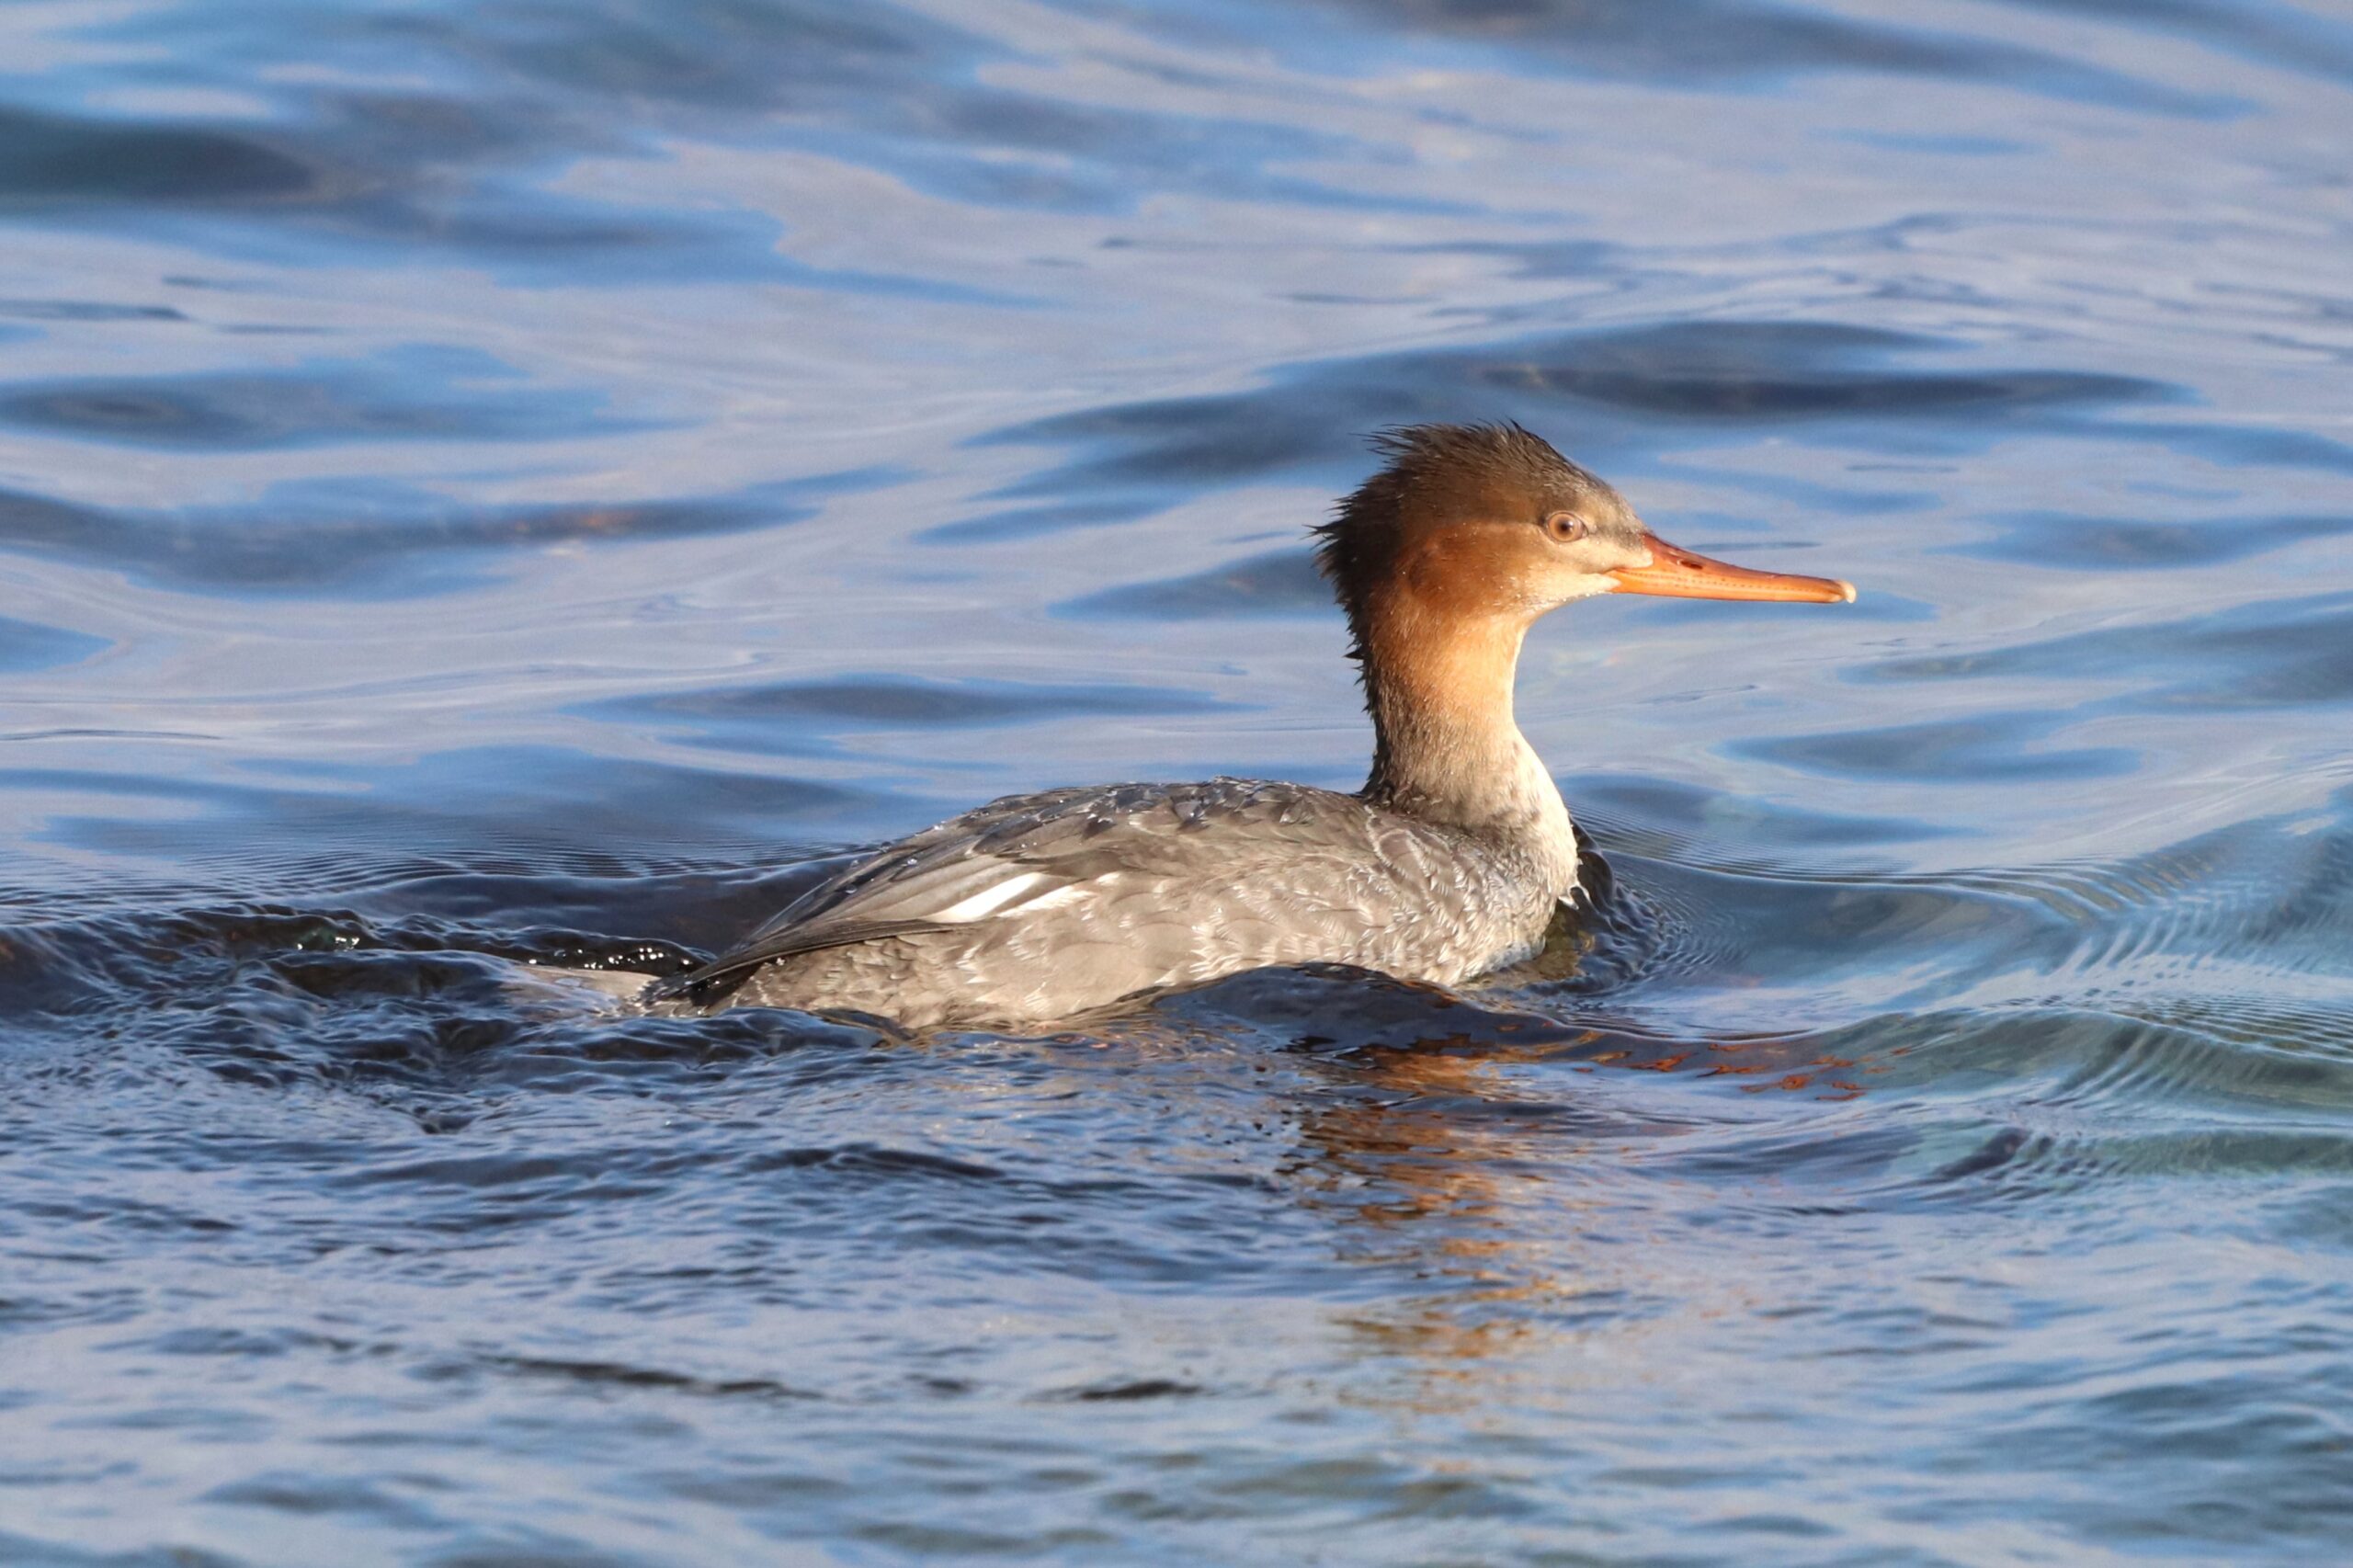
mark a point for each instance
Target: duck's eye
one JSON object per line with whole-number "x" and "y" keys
{"x": 1564, "y": 528}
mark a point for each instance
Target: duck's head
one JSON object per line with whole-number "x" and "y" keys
{"x": 1487, "y": 525}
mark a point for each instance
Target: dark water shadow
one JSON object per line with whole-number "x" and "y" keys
{"x": 2272, "y": 653}
{"x": 2074, "y": 542}
{"x": 50, "y": 160}
{"x": 1280, "y": 581}
{"x": 1721, "y": 43}
{"x": 468, "y": 167}
{"x": 810, "y": 718}
{"x": 1984, "y": 749}
{"x": 421, "y": 393}
{"x": 2287, "y": 37}
{"x": 554, "y": 805}
{"x": 1614, "y": 395}
{"x": 360, "y": 540}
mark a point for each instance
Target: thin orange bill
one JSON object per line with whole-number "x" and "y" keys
{"x": 1678, "y": 573}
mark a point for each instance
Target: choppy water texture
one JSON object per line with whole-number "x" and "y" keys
{"x": 498, "y": 479}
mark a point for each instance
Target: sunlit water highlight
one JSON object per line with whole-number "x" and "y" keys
{"x": 506, "y": 480}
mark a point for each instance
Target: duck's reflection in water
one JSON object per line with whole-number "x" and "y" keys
{"x": 1448, "y": 1165}
{"x": 1526, "y": 1181}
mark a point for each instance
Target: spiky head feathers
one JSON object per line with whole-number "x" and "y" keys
{"x": 1456, "y": 514}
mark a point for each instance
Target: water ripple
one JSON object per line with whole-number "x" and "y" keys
{"x": 495, "y": 486}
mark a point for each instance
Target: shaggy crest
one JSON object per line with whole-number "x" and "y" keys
{"x": 1433, "y": 469}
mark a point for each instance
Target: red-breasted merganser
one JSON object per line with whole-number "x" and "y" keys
{"x": 1451, "y": 861}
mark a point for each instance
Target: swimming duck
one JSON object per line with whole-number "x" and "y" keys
{"x": 1451, "y": 861}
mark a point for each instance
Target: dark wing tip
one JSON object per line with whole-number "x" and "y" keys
{"x": 816, "y": 936}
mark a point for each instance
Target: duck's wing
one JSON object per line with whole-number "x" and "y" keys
{"x": 1027, "y": 853}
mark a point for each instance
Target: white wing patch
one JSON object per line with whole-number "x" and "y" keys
{"x": 1070, "y": 894}
{"x": 988, "y": 901}
{"x": 1014, "y": 891}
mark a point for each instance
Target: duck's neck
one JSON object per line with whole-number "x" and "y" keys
{"x": 1446, "y": 747}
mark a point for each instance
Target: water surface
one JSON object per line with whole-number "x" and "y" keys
{"x": 518, "y": 480}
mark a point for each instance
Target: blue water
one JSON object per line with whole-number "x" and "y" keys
{"x": 520, "y": 479}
